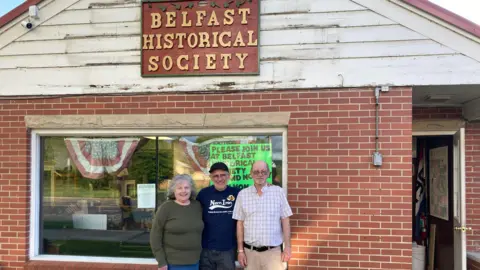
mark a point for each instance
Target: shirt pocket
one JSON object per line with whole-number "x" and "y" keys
{"x": 250, "y": 208}
{"x": 274, "y": 208}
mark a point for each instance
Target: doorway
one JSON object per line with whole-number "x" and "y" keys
{"x": 438, "y": 202}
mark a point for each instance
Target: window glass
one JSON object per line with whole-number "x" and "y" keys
{"x": 99, "y": 194}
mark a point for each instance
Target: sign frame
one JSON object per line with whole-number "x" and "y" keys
{"x": 187, "y": 74}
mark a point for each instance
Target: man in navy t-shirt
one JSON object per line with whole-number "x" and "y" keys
{"x": 218, "y": 239}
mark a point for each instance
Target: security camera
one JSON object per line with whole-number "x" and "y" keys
{"x": 27, "y": 24}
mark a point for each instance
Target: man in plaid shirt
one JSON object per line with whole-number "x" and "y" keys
{"x": 262, "y": 213}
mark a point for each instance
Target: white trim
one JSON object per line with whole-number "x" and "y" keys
{"x": 463, "y": 201}
{"x": 426, "y": 25}
{"x": 34, "y": 195}
{"x": 474, "y": 256}
{"x": 91, "y": 259}
{"x": 434, "y": 133}
{"x": 34, "y": 237}
{"x": 159, "y": 132}
{"x": 437, "y": 20}
{"x": 285, "y": 161}
{"x": 48, "y": 10}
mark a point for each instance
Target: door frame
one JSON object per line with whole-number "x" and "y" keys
{"x": 436, "y": 127}
{"x": 439, "y": 128}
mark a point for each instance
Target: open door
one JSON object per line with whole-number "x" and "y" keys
{"x": 459, "y": 215}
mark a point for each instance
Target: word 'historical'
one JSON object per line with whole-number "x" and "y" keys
{"x": 198, "y": 40}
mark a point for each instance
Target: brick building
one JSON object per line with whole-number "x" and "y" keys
{"x": 74, "y": 79}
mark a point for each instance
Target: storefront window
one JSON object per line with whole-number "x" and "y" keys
{"x": 99, "y": 194}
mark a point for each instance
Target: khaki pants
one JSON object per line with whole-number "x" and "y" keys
{"x": 266, "y": 260}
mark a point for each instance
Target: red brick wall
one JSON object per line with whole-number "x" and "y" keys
{"x": 436, "y": 113}
{"x": 472, "y": 185}
{"x": 347, "y": 213}
{"x": 472, "y": 164}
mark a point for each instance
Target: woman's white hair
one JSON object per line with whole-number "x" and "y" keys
{"x": 181, "y": 178}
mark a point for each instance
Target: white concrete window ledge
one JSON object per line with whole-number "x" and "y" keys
{"x": 166, "y": 121}
{"x": 474, "y": 256}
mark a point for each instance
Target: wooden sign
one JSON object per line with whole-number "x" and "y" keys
{"x": 214, "y": 37}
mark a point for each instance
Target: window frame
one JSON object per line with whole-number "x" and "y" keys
{"x": 36, "y": 171}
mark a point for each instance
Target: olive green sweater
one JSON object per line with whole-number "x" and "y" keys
{"x": 176, "y": 235}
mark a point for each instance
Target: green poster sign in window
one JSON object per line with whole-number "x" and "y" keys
{"x": 239, "y": 159}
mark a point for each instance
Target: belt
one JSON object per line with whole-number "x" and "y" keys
{"x": 259, "y": 249}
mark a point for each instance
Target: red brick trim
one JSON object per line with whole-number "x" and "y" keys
{"x": 446, "y": 15}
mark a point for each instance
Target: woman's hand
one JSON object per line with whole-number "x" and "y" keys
{"x": 163, "y": 268}
{"x": 242, "y": 259}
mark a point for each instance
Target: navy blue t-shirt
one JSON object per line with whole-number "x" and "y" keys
{"x": 219, "y": 231}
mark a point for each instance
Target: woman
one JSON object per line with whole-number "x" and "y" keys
{"x": 176, "y": 235}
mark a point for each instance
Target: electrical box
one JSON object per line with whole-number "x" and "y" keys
{"x": 377, "y": 159}
{"x": 33, "y": 12}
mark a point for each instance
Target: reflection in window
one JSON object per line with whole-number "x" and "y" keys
{"x": 95, "y": 199}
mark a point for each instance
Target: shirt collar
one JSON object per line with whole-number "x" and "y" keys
{"x": 264, "y": 188}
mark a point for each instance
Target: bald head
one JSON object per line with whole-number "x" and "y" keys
{"x": 259, "y": 165}
{"x": 260, "y": 173}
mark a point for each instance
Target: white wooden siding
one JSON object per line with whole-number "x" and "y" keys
{"x": 94, "y": 47}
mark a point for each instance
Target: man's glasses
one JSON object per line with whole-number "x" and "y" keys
{"x": 260, "y": 173}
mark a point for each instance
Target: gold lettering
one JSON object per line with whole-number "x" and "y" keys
{"x": 168, "y": 41}
{"x": 211, "y": 61}
{"x": 244, "y": 12}
{"x": 204, "y": 40}
{"x": 195, "y": 62}
{"x": 228, "y": 20}
{"x": 215, "y": 40}
{"x": 148, "y": 42}
{"x": 241, "y": 57}
{"x": 153, "y": 66}
{"x": 226, "y": 57}
{"x": 250, "y": 39}
{"x": 156, "y": 20}
{"x": 239, "y": 40}
{"x": 200, "y": 15}
{"x": 170, "y": 62}
{"x": 192, "y": 43}
{"x": 171, "y": 19}
{"x": 179, "y": 62}
{"x": 222, "y": 42}
{"x": 186, "y": 23}
{"x": 159, "y": 41}
{"x": 181, "y": 38}
{"x": 213, "y": 19}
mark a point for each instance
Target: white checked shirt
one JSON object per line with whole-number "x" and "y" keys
{"x": 262, "y": 215}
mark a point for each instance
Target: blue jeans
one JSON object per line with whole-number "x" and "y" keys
{"x": 217, "y": 260}
{"x": 183, "y": 266}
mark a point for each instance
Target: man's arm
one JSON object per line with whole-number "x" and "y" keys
{"x": 287, "y": 251}
{"x": 286, "y": 231}
{"x": 239, "y": 216}
{"x": 239, "y": 235}
{"x": 242, "y": 258}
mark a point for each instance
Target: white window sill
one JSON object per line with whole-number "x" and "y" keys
{"x": 90, "y": 259}
{"x": 474, "y": 256}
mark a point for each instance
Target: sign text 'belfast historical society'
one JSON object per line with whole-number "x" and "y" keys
{"x": 200, "y": 37}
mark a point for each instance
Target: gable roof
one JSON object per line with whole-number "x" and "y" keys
{"x": 19, "y": 10}
{"x": 424, "y": 5}
{"x": 446, "y": 15}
